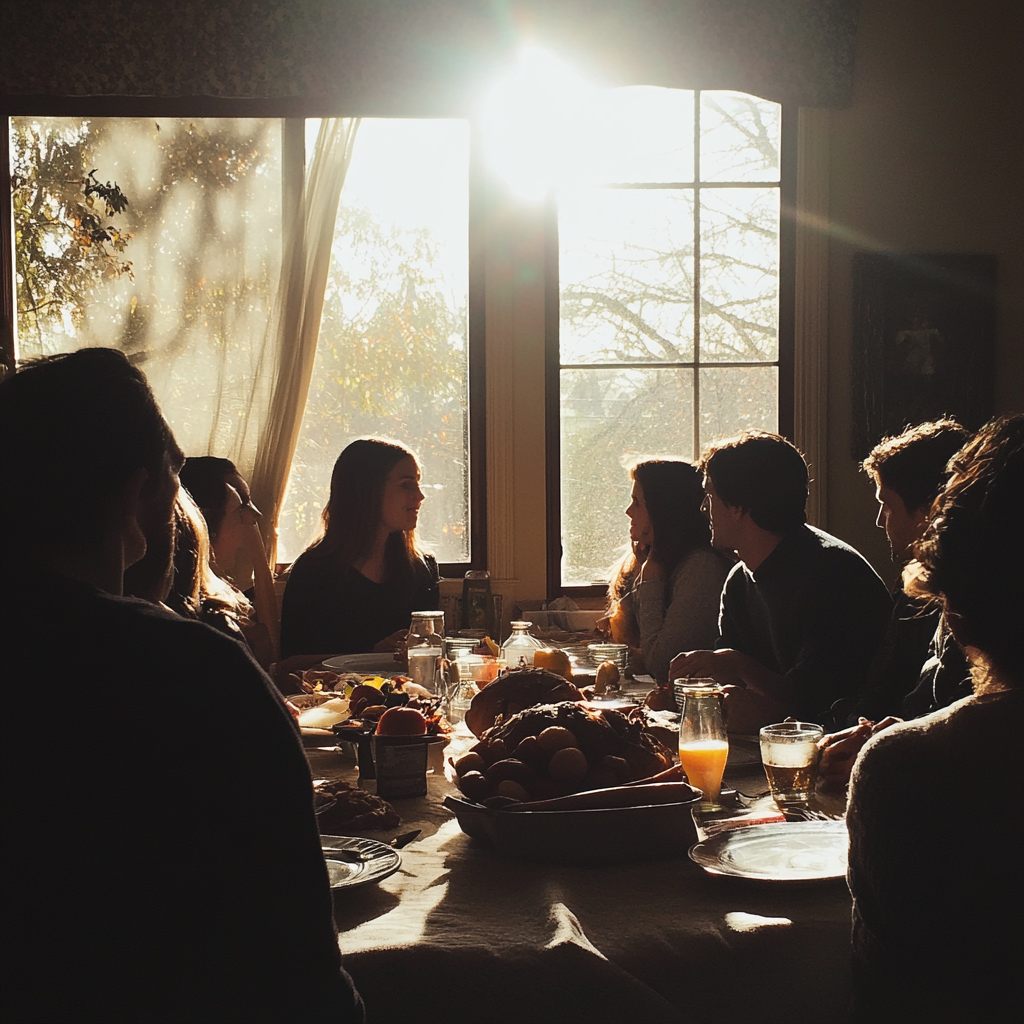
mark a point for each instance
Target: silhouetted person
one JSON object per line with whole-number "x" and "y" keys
{"x": 935, "y": 828}
{"x": 162, "y": 861}
{"x": 802, "y": 613}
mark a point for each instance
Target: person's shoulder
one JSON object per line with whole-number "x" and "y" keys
{"x": 703, "y": 563}
{"x": 836, "y": 555}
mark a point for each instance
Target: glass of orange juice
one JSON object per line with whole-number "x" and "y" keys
{"x": 703, "y": 743}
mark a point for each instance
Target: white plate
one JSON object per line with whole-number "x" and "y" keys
{"x": 367, "y": 664}
{"x": 792, "y": 851}
{"x": 380, "y": 861}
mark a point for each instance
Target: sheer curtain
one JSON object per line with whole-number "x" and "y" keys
{"x": 272, "y": 428}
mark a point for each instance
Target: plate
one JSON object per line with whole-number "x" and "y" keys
{"x": 380, "y": 862}
{"x": 366, "y": 664}
{"x": 795, "y": 851}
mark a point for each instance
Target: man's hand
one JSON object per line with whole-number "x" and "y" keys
{"x": 725, "y": 667}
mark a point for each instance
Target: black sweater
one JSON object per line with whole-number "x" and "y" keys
{"x": 162, "y": 860}
{"x": 327, "y": 610}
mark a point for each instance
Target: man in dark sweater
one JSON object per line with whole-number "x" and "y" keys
{"x": 802, "y": 613}
{"x": 908, "y": 471}
{"x": 162, "y": 860}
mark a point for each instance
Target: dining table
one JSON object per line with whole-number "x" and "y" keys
{"x": 463, "y": 932}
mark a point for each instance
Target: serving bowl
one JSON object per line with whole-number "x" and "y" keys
{"x": 657, "y": 822}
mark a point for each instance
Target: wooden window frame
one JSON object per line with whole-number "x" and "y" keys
{"x": 285, "y": 108}
{"x": 552, "y": 362}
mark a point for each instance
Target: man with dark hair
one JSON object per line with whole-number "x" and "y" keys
{"x": 162, "y": 860}
{"x": 908, "y": 471}
{"x": 802, "y": 613}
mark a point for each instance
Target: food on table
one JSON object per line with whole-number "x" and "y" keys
{"x": 555, "y": 661}
{"x": 556, "y": 749}
{"x": 316, "y": 680}
{"x": 607, "y": 677}
{"x": 363, "y": 696}
{"x": 514, "y": 692}
{"x": 401, "y": 721}
{"x": 661, "y": 699}
{"x": 323, "y": 716}
{"x": 490, "y": 647}
{"x": 355, "y": 809}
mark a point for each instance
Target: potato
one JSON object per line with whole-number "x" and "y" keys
{"x": 531, "y": 752}
{"x": 475, "y": 786}
{"x": 470, "y": 763}
{"x": 512, "y": 769}
{"x": 619, "y": 766}
{"x": 568, "y": 765}
{"x": 600, "y": 777}
{"x": 607, "y": 676}
{"x": 555, "y": 737}
{"x": 512, "y": 790}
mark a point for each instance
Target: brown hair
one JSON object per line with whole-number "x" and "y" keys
{"x": 674, "y": 495}
{"x": 971, "y": 555}
{"x": 913, "y": 464}
{"x": 354, "y": 509}
{"x": 762, "y": 473}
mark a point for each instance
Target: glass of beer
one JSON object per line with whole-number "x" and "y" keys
{"x": 703, "y": 744}
{"x": 789, "y": 752}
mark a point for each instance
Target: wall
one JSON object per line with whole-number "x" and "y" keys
{"x": 927, "y": 158}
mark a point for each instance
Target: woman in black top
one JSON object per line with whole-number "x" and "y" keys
{"x": 354, "y": 590}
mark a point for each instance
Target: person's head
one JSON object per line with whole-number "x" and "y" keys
{"x": 665, "y": 507}
{"x": 908, "y": 472}
{"x": 375, "y": 490}
{"x": 759, "y": 474}
{"x": 85, "y": 459}
{"x": 223, "y": 498}
{"x": 971, "y": 554}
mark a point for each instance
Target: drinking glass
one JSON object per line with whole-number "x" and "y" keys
{"x": 703, "y": 743}
{"x": 789, "y": 752}
{"x": 425, "y": 647}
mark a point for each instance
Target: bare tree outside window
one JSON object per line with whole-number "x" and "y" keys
{"x": 669, "y": 301}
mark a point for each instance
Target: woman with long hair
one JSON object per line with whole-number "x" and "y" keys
{"x": 933, "y": 830}
{"x": 665, "y": 593}
{"x": 355, "y": 588}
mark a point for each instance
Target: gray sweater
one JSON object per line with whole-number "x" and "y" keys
{"x": 690, "y": 621}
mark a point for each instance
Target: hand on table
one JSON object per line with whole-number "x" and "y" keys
{"x": 839, "y": 750}
{"x": 396, "y": 643}
{"x": 725, "y": 667}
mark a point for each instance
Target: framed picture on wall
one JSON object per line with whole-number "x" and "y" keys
{"x": 923, "y": 342}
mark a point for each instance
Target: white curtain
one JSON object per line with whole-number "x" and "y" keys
{"x": 294, "y": 326}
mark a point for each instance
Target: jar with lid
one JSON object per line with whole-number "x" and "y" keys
{"x": 425, "y": 647}
{"x": 518, "y": 650}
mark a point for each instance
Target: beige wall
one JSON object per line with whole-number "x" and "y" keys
{"x": 927, "y": 158}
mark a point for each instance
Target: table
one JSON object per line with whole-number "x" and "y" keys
{"x": 462, "y": 933}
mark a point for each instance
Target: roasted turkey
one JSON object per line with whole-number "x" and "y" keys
{"x": 514, "y": 692}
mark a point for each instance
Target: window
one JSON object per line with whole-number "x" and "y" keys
{"x": 186, "y": 278}
{"x": 669, "y": 334}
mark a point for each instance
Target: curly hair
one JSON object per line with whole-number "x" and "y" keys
{"x": 971, "y": 555}
{"x": 913, "y": 464}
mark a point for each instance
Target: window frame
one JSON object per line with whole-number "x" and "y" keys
{"x": 287, "y": 109}
{"x": 552, "y": 355}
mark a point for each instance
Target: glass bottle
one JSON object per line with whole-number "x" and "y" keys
{"x": 518, "y": 650}
{"x": 425, "y": 647}
{"x": 703, "y": 743}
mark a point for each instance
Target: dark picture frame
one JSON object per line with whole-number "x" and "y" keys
{"x": 924, "y": 330}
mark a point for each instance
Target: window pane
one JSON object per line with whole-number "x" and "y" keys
{"x": 735, "y": 398}
{"x": 203, "y": 216}
{"x": 636, "y": 134}
{"x": 392, "y": 358}
{"x": 739, "y": 288}
{"x": 626, "y": 275}
{"x": 610, "y": 419}
{"x": 739, "y": 137}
